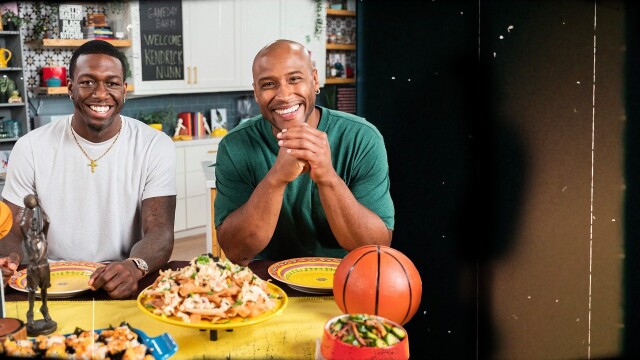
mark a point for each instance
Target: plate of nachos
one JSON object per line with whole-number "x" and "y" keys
{"x": 211, "y": 294}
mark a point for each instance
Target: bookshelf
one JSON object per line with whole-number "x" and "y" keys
{"x": 73, "y": 43}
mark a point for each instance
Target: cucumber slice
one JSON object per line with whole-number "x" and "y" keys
{"x": 391, "y": 339}
{"x": 398, "y": 332}
{"x": 371, "y": 335}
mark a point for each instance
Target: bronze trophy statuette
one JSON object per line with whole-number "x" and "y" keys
{"x": 38, "y": 273}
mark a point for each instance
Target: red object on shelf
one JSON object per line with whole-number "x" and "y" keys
{"x": 187, "y": 122}
{"x": 48, "y": 72}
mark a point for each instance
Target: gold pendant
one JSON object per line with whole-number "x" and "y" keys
{"x": 93, "y": 165}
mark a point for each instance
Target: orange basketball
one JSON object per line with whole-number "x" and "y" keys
{"x": 6, "y": 219}
{"x": 378, "y": 280}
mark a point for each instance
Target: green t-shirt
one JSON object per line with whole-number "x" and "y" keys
{"x": 246, "y": 154}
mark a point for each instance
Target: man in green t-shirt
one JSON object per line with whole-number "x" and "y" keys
{"x": 299, "y": 180}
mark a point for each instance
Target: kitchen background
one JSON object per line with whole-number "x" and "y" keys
{"x": 512, "y": 134}
{"x": 37, "y": 57}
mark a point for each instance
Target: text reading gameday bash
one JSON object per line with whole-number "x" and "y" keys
{"x": 162, "y": 46}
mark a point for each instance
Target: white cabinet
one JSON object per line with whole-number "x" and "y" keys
{"x": 211, "y": 42}
{"x": 221, "y": 38}
{"x": 192, "y": 197}
{"x": 259, "y": 25}
{"x": 287, "y": 19}
{"x": 299, "y": 25}
{"x": 181, "y": 210}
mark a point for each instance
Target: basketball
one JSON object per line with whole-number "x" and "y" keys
{"x": 6, "y": 219}
{"x": 378, "y": 280}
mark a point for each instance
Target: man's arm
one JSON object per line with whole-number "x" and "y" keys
{"x": 120, "y": 279}
{"x": 242, "y": 242}
{"x": 352, "y": 223}
{"x": 156, "y": 245}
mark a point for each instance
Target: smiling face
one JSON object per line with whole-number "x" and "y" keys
{"x": 98, "y": 90}
{"x": 284, "y": 85}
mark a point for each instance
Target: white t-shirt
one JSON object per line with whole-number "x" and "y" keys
{"x": 93, "y": 216}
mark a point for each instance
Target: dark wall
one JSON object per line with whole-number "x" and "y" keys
{"x": 632, "y": 172}
{"x": 506, "y": 161}
{"x": 417, "y": 82}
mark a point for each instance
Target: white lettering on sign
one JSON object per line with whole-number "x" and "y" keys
{"x": 162, "y": 40}
{"x": 70, "y": 12}
{"x": 70, "y": 29}
{"x": 161, "y": 12}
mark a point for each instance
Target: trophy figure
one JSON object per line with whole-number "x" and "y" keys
{"x": 38, "y": 273}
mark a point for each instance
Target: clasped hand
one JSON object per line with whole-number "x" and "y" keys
{"x": 302, "y": 149}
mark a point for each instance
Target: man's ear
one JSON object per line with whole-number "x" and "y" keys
{"x": 316, "y": 82}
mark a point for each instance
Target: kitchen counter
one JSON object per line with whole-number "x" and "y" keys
{"x": 198, "y": 140}
{"x": 192, "y": 156}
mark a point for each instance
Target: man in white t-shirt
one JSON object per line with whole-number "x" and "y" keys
{"x": 106, "y": 181}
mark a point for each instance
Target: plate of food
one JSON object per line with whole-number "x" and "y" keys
{"x": 124, "y": 342}
{"x": 306, "y": 274}
{"x": 211, "y": 294}
{"x": 68, "y": 278}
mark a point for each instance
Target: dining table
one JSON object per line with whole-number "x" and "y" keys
{"x": 293, "y": 333}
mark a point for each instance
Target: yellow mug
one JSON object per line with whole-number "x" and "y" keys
{"x": 5, "y": 56}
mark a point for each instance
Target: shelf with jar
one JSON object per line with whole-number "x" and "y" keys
{"x": 14, "y": 120}
{"x": 340, "y": 12}
{"x": 55, "y": 89}
{"x": 60, "y": 90}
{"x": 341, "y": 43}
{"x": 73, "y": 43}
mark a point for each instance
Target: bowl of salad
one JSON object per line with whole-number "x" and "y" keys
{"x": 362, "y": 336}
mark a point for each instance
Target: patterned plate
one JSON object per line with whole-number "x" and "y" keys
{"x": 308, "y": 274}
{"x": 68, "y": 278}
{"x": 281, "y": 302}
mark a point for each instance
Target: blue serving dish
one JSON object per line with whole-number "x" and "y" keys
{"x": 162, "y": 346}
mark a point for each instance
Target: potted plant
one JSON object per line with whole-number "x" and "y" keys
{"x": 46, "y": 18}
{"x": 10, "y": 20}
{"x": 7, "y": 85}
{"x": 165, "y": 118}
{"x": 319, "y": 25}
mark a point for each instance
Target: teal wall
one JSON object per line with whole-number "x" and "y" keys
{"x": 135, "y": 106}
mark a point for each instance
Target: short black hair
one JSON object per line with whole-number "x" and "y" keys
{"x": 97, "y": 47}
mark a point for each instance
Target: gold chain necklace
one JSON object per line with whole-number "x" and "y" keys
{"x": 93, "y": 163}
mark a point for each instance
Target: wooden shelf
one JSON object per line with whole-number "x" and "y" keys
{"x": 334, "y": 12}
{"x": 336, "y": 80}
{"x": 341, "y": 46}
{"x": 4, "y": 105}
{"x": 61, "y": 90}
{"x": 72, "y": 43}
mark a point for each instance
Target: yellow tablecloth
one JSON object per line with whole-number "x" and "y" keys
{"x": 292, "y": 334}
